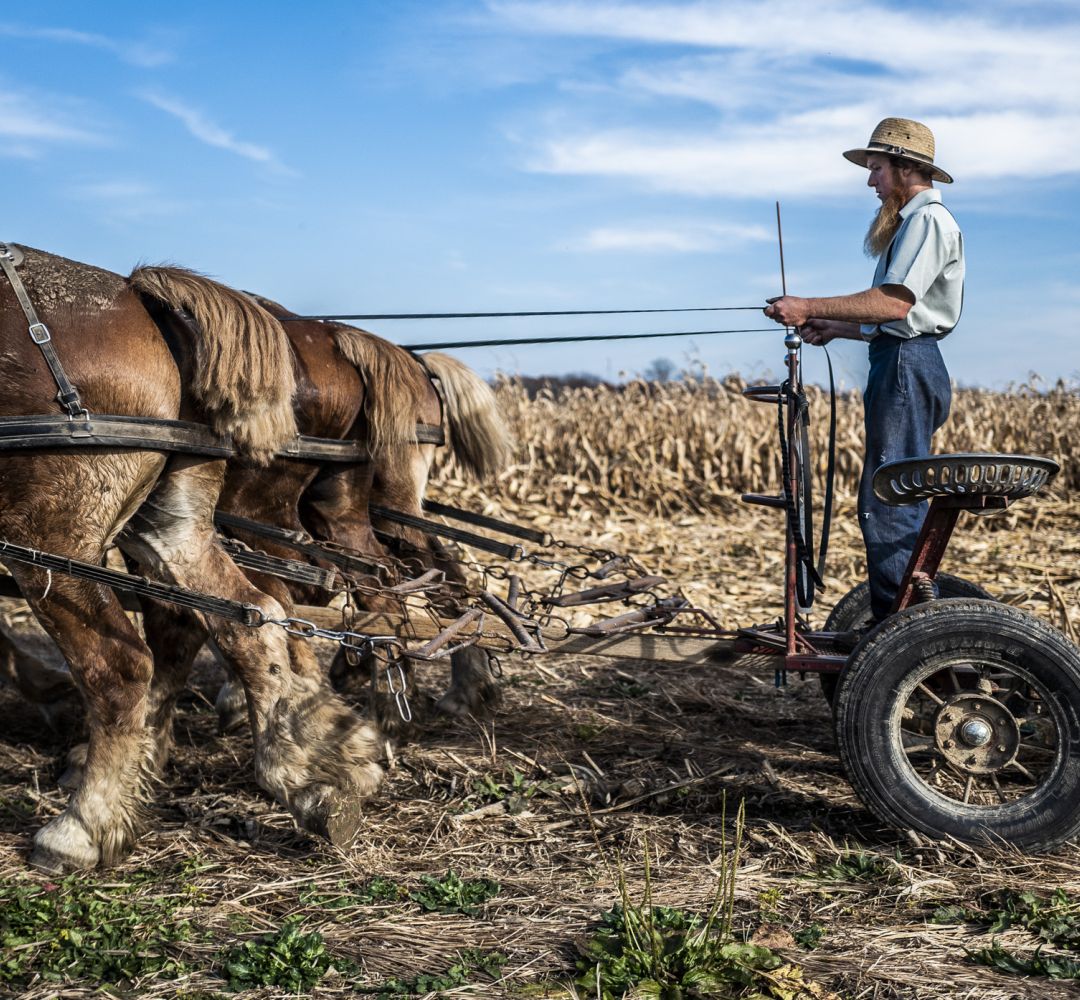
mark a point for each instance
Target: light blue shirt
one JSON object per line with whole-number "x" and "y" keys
{"x": 926, "y": 256}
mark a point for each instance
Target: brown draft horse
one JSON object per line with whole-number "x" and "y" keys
{"x": 352, "y": 384}
{"x": 230, "y": 369}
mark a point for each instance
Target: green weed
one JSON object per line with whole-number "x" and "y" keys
{"x": 288, "y": 958}
{"x": 347, "y": 896}
{"x": 768, "y": 904}
{"x": 1052, "y": 966}
{"x": 658, "y": 951}
{"x": 664, "y": 952}
{"x": 453, "y": 894}
{"x": 79, "y": 929}
{"x": 809, "y": 937}
{"x": 463, "y": 972}
{"x": 858, "y": 866}
{"x": 515, "y": 790}
{"x": 1054, "y": 920}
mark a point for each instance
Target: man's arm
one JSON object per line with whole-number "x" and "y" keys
{"x": 875, "y": 305}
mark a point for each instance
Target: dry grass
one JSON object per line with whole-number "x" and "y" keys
{"x": 650, "y": 752}
{"x": 682, "y": 446}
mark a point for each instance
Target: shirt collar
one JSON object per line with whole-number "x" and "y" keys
{"x": 927, "y": 197}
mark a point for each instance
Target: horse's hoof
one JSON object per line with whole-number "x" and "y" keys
{"x": 64, "y": 846}
{"x": 330, "y": 813}
{"x": 481, "y": 702}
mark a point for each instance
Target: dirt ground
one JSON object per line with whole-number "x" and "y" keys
{"x": 594, "y": 772}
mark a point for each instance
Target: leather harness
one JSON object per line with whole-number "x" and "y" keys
{"x": 80, "y": 428}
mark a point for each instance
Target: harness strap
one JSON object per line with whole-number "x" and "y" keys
{"x": 514, "y": 553}
{"x": 300, "y": 541}
{"x": 46, "y": 430}
{"x": 245, "y": 614}
{"x": 67, "y": 395}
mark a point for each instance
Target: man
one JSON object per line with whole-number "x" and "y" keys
{"x": 915, "y": 299}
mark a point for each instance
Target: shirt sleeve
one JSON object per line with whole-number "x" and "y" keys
{"x": 920, "y": 254}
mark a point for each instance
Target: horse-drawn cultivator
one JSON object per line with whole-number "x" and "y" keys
{"x": 263, "y": 476}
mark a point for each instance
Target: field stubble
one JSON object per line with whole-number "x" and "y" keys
{"x": 594, "y": 763}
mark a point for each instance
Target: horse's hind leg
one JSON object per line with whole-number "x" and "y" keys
{"x": 175, "y": 635}
{"x": 311, "y": 752}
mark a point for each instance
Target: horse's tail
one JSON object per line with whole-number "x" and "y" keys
{"x": 396, "y": 387}
{"x": 243, "y": 361}
{"x": 479, "y": 436}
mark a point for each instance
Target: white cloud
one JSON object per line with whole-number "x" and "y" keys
{"x": 689, "y": 238}
{"x": 126, "y": 200}
{"x": 786, "y": 85}
{"x": 209, "y": 132}
{"x": 29, "y": 125}
{"x": 137, "y": 53}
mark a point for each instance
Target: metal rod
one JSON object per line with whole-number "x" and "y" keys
{"x": 780, "y": 239}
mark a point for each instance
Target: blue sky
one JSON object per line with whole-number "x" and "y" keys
{"x": 468, "y": 155}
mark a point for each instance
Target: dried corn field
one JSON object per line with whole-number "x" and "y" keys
{"x": 594, "y": 771}
{"x": 684, "y": 446}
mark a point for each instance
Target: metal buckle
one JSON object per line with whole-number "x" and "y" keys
{"x": 39, "y": 333}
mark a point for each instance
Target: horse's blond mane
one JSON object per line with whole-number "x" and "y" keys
{"x": 243, "y": 360}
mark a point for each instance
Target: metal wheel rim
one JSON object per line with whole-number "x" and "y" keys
{"x": 1039, "y": 724}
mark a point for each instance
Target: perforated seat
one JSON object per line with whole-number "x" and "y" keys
{"x": 913, "y": 480}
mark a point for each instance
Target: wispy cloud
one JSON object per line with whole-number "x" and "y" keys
{"x": 29, "y": 125}
{"x": 209, "y": 132}
{"x": 769, "y": 91}
{"x": 688, "y": 238}
{"x": 126, "y": 200}
{"x": 137, "y": 53}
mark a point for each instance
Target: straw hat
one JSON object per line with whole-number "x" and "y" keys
{"x": 901, "y": 137}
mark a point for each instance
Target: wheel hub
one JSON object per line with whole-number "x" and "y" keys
{"x": 975, "y": 733}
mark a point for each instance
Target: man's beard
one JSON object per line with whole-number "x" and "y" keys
{"x": 885, "y": 223}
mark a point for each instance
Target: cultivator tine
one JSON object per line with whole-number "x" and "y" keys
{"x": 664, "y": 611}
{"x": 608, "y": 592}
{"x": 611, "y": 566}
{"x": 438, "y": 648}
{"x": 518, "y": 625}
{"x": 513, "y": 591}
{"x": 431, "y": 580}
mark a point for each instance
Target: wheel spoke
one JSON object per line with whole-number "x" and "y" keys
{"x": 1035, "y": 748}
{"x": 955, "y": 681}
{"x": 930, "y": 694}
{"x": 1017, "y": 766}
{"x": 997, "y": 787}
{"x": 968, "y": 786}
{"x": 918, "y": 747}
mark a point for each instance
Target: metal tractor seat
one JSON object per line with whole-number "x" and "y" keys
{"x": 979, "y": 484}
{"x": 974, "y": 476}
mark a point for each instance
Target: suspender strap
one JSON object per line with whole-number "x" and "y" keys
{"x": 67, "y": 395}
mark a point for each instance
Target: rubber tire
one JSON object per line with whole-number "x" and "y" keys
{"x": 870, "y": 697}
{"x": 853, "y": 611}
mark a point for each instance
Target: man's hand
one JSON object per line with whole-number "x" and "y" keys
{"x": 788, "y": 310}
{"x": 819, "y": 332}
